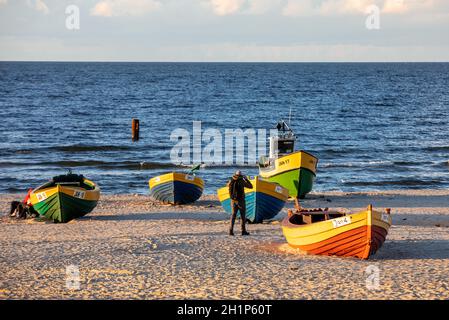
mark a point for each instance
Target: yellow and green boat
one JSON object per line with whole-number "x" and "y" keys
{"x": 65, "y": 197}
{"x": 264, "y": 201}
{"x": 176, "y": 188}
{"x": 294, "y": 170}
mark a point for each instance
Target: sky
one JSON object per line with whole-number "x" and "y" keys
{"x": 224, "y": 30}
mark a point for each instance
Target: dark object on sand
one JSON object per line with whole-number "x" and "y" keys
{"x": 22, "y": 211}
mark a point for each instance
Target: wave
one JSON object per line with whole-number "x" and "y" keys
{"x": 68, "y": 149}
{"x": 400, "y": 182}
{"x": 411, "y": 163}
{"x": 86, "y": 148}
{"x": 130, "y": 165}
{"x": 356, "y": 164}
{"x": 226, "y": 166}
{"x": 441, "y": 164}
{"x": 437, "y": 148}
{"x": 380, "y": 164}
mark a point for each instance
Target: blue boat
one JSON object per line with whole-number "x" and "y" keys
{"x": 263, "y": 202}
{"x": 176, "y": 188}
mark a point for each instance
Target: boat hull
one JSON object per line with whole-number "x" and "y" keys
{"x": 176, "y": 188}
{"x": 62, "y": 204}
{"x": 358, "y": 235}
{"x": 296, "y": 172}
{"x": 263, "y": 202}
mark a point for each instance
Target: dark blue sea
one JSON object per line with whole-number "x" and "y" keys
{"x": 373, "y": 126}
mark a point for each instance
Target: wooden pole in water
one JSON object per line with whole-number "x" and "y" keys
{"x": 135, "y": 129}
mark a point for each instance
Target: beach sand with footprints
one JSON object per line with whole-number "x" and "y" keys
{"x": 130, "y": 247}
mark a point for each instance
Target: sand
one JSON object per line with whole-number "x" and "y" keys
{"x": 133, "y": 248}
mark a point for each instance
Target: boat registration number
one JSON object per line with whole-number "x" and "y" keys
{"x": 41, "y": 196}
{"x": 338, "y": 222}
{"x": 79, "y": 194}
{"x": 385, "y": 217}
{"x": 189, "y": 177}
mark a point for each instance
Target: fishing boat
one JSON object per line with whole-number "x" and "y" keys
{"x": 324, "y": 232}
{"x": 264, "y": 201}
{"x": 294, "y": 170}
{"x": 176, "y": 188}
{"x": 65, "y": 197}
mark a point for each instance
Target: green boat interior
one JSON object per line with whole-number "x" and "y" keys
{"x": 74, "y": 180}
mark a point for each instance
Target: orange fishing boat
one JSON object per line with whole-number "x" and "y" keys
{"x": 324, "y": 232}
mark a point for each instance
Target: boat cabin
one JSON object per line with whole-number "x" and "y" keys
{"x": 280, "y": 145}
{"x": 284, "y": 142}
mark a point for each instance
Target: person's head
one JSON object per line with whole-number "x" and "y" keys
{"x": 238, "y": 173}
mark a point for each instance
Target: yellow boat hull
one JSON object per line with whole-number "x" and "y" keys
{"x": 355, "y": 235}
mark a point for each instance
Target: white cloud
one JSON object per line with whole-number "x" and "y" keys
{"x": 3, "y": 2}
{"x": 394, "y": 6}
{"x": 331, "y": 7}
{"x": 39, "y": 5}
{"x": 402, "y": 6}
{"x": 225, "y": 7}
{"x": 347, "y": 7}
{"x": 228, "y": 7}
{"x": 298, "y": 8}
{"x": 317, "y": 7}
{"x": 262, "y": 6}
{"x": 114, "y": 8}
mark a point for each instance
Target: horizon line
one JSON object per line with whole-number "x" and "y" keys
{"x": 212, "y": 61}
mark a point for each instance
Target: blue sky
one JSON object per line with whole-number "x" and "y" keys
{"x": 225, "y": 30}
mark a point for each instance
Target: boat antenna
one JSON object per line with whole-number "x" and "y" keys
{"x": 194, "y": 169}
{"x": 290, "y": 116}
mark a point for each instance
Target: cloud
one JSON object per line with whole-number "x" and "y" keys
{"x": 225, "y": 7}
{"x": 228, "y": 7}
{"x": 318, "y": 7}
{"x": 325, "y": 8}
{"x": 115, "y": 8}
{"x": 262, "y": 6}
{"x": 402, "y": 6}
{"x": 39, "y": 5}
{"x": 330, "y": 7}
{"x": 298, "y": 8}
{"x": 350, "y": 7}
{"x": 3, "y": 2}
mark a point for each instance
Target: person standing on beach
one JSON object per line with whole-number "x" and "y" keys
{"x": 237, "y": 186}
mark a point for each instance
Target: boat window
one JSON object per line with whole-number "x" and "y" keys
{"x": 285, "y": 146}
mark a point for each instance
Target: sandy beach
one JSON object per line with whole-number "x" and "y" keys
{"x": 133, "y": 248}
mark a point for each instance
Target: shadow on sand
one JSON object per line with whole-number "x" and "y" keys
{"x": 386, "y": 200}
{"x": 214, "y": 216}
{"x": 413, "y": 249}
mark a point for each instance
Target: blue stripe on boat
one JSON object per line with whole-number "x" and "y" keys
{"x": 259, "y": 206}
{"x": 176, "y": 192}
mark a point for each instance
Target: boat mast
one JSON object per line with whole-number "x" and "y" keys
{"x": 290, "y": 116}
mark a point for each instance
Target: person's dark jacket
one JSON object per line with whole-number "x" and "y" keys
{"x": 237, "y": 186}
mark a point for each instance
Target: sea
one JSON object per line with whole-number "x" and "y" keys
{"x": 373, "y": 126}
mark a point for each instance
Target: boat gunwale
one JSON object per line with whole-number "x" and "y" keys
{"x": 197, "y": 181}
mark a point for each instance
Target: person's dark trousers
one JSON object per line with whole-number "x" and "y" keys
{"x": 240, "y": 206}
